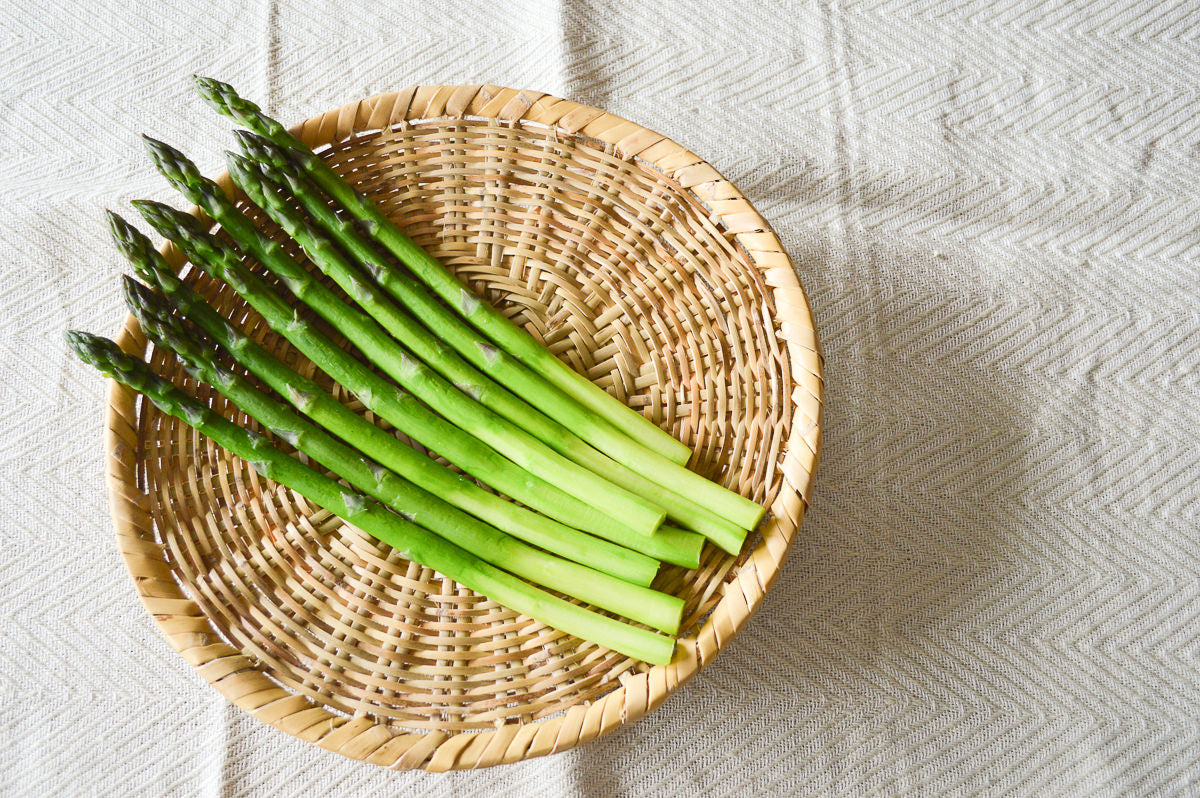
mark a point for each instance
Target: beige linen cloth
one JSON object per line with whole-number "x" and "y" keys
{"x": 995, "y": 208}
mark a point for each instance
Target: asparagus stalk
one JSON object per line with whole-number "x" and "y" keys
{"x": 481, "y": 314}
{"x": 682, "y": 493}
{"x": 522, "y": 420}
{"x": 457, "y": 405}
{"x": 257, "y": 181}
{"x": 207, "y": 252}
{"x": 641, "y": 604}
{"x": 413, "y": 542}
{"x": 308, "y": 397}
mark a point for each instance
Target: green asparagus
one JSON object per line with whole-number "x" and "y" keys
{"x": 413, "y": 542}
{"x": 259, "y": 186}
{"x": 481, "y": 314}
{"x": 478, "y": 405}
{"x": 639, "y": 604}
{"x": 208, "y": 252}
{"x": 682, "y": 493}
{"x": 456, "y": 404}
{"x": 310, "y": 398}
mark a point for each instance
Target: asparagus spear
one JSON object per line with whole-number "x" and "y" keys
{"x": 640, "y": 604}
{"x": 508, "y": 412}
{"x": 457, "y": 405}
{"x": 308, "y": 397}
{"x": 413, "y": 542}
{"x": 258, "y": 185}
{"x": 208, "y": 252}
{"x": 481, "y": 314}
{"x": 682, "y": 493}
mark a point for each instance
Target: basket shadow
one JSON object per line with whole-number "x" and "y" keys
{"x": 901, "y": 554}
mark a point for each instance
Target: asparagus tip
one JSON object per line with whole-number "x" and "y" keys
{"x": 128, "y": 239}
{"x": 259, "y": 147}
{"x": 138, "y": 250}
{"x": 148, "y": 208}
{"x": 160, "y": 215}
{"x": 237, "y": 161}
{"x": 109, "y": 359}
{"x": 136, "y": 293}
{"x": 157, "y": 147}
{"x": 209, "y": 88}
{"x": 115, "y": 223}
{"x": 259, "y": 170}
{"x": 168, "y": 331}
{"x": 75, "y": 337}
{"x": 141, "y": 303}
{"x": 245, "y": 174}
{"x": 247, "y": 138}
{"x": 120, "y": 226}
{"x": 95, "y": 350}
{"x": 173, "y": 164}
{"x": 225, "y": 99}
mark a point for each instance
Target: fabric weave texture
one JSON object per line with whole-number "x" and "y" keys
{"x": 994, "y": 209}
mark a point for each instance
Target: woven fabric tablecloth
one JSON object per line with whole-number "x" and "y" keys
{"x": 994, "y": 207}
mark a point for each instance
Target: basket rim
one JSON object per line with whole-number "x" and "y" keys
{"x": 235, "y": 676}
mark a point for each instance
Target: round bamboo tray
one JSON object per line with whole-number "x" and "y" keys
{"x": 638, "y": 264}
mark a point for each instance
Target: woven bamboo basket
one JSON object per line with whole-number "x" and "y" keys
{"x": 634, "y": 261}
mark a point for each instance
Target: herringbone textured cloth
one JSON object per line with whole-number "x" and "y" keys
{"x": 994, "y": 206}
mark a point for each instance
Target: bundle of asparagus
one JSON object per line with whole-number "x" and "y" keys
{"x": 590, "y": 480}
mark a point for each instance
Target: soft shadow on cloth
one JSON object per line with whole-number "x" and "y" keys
{"x": 903, "y": 545}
